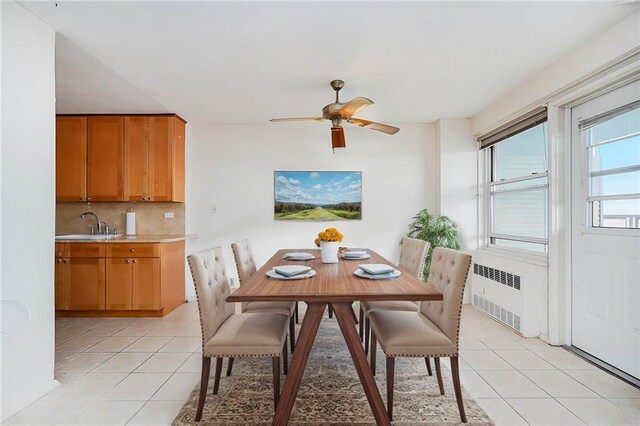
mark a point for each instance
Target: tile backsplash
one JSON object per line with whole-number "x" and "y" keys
{"x": 149, "y": 217}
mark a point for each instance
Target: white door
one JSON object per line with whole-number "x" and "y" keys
{"x": 605, "y": 196}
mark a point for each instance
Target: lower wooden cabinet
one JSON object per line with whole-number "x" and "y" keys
{"x": 151, "y": 283}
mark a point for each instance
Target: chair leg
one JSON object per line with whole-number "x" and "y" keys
{"x": 330, "y": 312}
{"x": 361, "y": 324}
{"x": 229, "y": 366}
{"x": 292, "y": 332}
{"x": 276, "y": 381}
{"x": 216, "y": 378}
{"x": 372, "y": 353}
{"x": 204, "y": 384}
{"x": 455, "y": 373}
{"x": 285, "y": 359}
{"x": 428, "y": 362}
{"x": 297, "y": 317}
{"x": 367, "y": 335}
{"x": 436, "y": 361}
{"x": 391, "y": 364}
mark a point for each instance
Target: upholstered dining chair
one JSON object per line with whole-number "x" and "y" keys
{"x": 433, "y": 331}
{"x": 246, "y": 265}
{"x": 413, "y": 254}
{"x": 226, "y": 334}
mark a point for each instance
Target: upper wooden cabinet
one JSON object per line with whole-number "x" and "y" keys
{"x": 71, "y": 158}
{"x": 154, "y": 158}
{"x": 120, "y": 158}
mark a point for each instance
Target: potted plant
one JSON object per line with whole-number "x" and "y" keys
{"x": 328, "y": 241}
{"x": 438, "y": 231}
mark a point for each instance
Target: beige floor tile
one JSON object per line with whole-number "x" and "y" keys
{"x": 66, "y": 378}
{"x": 476, "y": 386}
{"x": 500, "y": 412}
{"x": 512, "y": 384}
{"x": 501, "y": 342}
{"x": 137, "y": 387}
{"x": 481, "y": 360}
{"x": 170, "y": 331}
{"x": 137, "y": 329}
{"x": 524, "y": 360}
{"x": 543, "y": 412}
{"x": 157, "y": 413}
{"x": 558, "y": 384}
{"x": 83, "y": 362}
{"x": 61, "y": 356}
{"x": 113, "y": 344}
{"x": 109, "y": 413}
{"x": 48, "y": 412}
{"x": 79, "y": 344}
{"x": 163, "y": 363}
{"x": 604, "y": 384}
{"x": 193, "y": 364}
{"x": 91, "y": 386}
{"x": 147, "y": 344}
{"x": 105, "y": 330}
{"x": 462, "y": 364}
{"x": 124, "y": 362}
{"x": 182, "y": 344}
{"x": 597, "y": 411}
{"x": 562, "y": 359}
{"x": 630, "y": 406}
{"x": 471, "y": 344}
{"x": 193, "y": 330}
{"x": 178, "y": 387}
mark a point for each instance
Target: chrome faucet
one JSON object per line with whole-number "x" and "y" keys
{"x": 98, "y": 223}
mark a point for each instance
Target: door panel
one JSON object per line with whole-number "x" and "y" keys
{"x": 119, "y": 286}
{"x": 86, "y": 288}
{"x": 161, "y": 158}
{"x": 146, "y": 283}
{"x": 136, "y": 158}
{"x": 71, "y": 158}
{"x": 105, "y": 178}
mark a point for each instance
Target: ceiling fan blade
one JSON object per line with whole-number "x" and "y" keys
{"x": 337, "y": 138}
{"x": 279, "y": 120}
{"x": 384, "y": 128}
{"x": 354, "y": 105}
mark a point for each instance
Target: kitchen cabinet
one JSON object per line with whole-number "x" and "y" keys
{"x": 71, "y": 158}
{"x": 133, "y": 276}
{"x": 119, "y": 284}
{"x": 154, "y": 158}
{"x": 79, "y": 277}
{"x": 105, "y": 157}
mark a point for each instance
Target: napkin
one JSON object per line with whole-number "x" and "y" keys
{"x": 291, "y": 270}
{"x": 376, "y": 268}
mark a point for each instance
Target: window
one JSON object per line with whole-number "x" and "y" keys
{"x": 518, "y": 190}
{"x": 612, "y": 142}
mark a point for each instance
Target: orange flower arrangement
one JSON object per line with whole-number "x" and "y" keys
{"x": 329, "y": 234}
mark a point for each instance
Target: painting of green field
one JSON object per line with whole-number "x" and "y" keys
{"x": 317, "y": 196}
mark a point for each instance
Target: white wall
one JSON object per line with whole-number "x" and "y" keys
{"x": 231, "y": 167}
{"x": 28, "y": 206}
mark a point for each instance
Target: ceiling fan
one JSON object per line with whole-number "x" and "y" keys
{"x": 339, "y": 112}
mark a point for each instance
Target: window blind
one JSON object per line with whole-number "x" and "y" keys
{"x": 525, "y": 122}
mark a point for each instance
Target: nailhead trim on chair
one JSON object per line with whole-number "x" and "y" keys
{"x": 198, "y": 302}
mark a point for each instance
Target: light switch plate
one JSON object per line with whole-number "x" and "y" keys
{"x": 168, "y": 215}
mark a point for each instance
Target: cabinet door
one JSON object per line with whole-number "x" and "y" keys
{"x": 119, "y": 290}
{"x": 136, "y": 158}
{"x": 71, "y": 158}
{"x": 161, "y": 170}
{"x": 146, "y": 283}
{"x": 105, "y": 177}
{"x": 178, "y": 160}
{"x": 61, "y": 283}
{"x": 86, "y": 287}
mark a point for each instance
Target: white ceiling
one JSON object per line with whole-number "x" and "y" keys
{"x": 242, "y": 62}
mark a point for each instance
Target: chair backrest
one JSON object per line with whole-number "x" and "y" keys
{"x": 413, "y": 255}
{"x": 245, "y": 261}
{"x": 448, "y": 274}
{"x": 212, "y": 288}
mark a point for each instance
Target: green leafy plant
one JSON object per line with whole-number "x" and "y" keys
{"x": 439, "y": 231}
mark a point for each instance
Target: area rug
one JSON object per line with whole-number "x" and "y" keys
{"x": 330, "y": 392}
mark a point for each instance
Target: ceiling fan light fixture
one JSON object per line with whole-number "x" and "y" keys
{"x": 337, "y": 138}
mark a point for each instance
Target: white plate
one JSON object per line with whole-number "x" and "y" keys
{"x": 277, "y": 276}
{"x": 299, "y": 256}
{"x": 376, "y": 268}
{"x": 362, "y": 274}
{"x": 291, "y": 270}
{"x": 362, "y": 257}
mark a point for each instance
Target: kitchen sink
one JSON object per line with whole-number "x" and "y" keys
{"x": 87, "y": 237}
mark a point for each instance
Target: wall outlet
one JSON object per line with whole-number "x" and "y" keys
{"x": 169, "y": 215}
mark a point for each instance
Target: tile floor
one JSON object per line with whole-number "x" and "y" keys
{"x": 140, "y": 371}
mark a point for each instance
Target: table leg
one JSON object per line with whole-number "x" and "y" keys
{"x": 306, "y": 336}
{"x": 347, "y": 326}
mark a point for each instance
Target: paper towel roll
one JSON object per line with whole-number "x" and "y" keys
{"x": 131, "y": 223}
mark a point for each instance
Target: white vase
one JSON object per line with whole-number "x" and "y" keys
{"x": 329, "y": 250}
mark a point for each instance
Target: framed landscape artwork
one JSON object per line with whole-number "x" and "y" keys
{"x": 316, "y": 195}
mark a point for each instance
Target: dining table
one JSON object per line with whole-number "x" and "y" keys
{"x": 337, "y": 286}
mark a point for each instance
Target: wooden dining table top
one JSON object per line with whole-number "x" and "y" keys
{"x": 333, "y": 282}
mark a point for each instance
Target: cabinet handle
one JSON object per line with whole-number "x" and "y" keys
{"x": 128, "y": 261}
{"x": 64, "y": 260}
{"x": 135, "y": 261}
{"x": 132, "y": 250}
{"x": 81, "y": 198}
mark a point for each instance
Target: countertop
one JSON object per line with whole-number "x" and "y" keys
{"x": 130, "y": 239}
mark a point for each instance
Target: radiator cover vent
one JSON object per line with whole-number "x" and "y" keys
{"x": 501, "y": 314}
{"x": 501, "y": 277}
